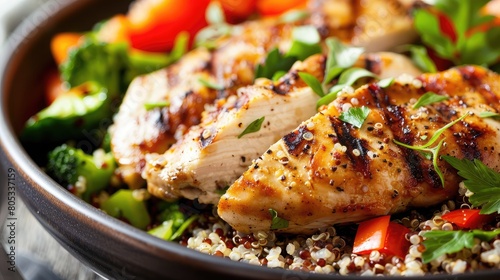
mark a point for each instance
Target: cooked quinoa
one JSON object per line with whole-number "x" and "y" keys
{"x": 330, "y": 249}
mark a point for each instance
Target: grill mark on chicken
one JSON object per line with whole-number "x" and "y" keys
{"x": 346, "y": 136}
{"x": 295, "y": 140}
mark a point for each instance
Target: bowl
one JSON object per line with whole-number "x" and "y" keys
{"x": 107, "y": 245}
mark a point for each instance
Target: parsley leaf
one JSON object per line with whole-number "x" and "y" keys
{"x": 340, "y": 57}
{"x": 483, "y": 181}
{"x": 252, "y": 127}
{"x": 275, "y": 62}
{"x": 440, "y": 242}
{"x": 347, "y": 78}
{"x": 305, "y": 42}
{"x": 277, "y": 222}
{"x": 355, "y": 115}
{"x": 429, "y": 98}
{"x": 313, "y": 83}
{"x": 459, "y": 31}
{"x": 420, "y": 57}
{"x": 385, "y": 83}
{"x": 433, "y": 153}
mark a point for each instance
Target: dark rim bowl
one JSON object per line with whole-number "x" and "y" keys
{"x": 110, "y": 247}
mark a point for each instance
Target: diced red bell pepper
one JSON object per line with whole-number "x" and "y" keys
{"x": 467, "y": 218}
{"x": 382, "y": 235}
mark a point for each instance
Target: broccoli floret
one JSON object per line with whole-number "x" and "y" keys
{"x": 73, "y": 113}
{"x": 69, "y": 165}
{"x": 174, "y": 222}
{"x": 122, "y": 204}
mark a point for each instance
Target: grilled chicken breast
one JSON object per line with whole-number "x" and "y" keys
{"x": 211, "y": 156}
{"x": 137, "y": 131}
{"x": 327, "y": 171}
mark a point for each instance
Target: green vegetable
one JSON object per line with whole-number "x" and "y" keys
{"x": 489, "y": 115}
{"x": 483, "y": 181}
{"x": 66, "y": 164}
{"x": 347, "y": 78}
{"x": 421, "y": 59}
{"x": 252, "y": 127}
{"x": 355, "y": 115}
{"x": 174, "y": 223}
{"x": 293, "y": 16}
{"x": 340, "y": 57}
{"x": 433, "y": 153}
{"x": 313, "y": 83}
{"x": 429, "y": 98}
{"x": 458, "y": 42}
{"x": 439, "y": 242}
{"x": 304, "y": 44}
{"x": 154, "y": 105}
{"x": 274, "y": 62}
{"x": 217, "y": 27}
{"x": 277, "y": 222}
{"x": 123, "y": 204}
{"x": 69, "y": 116}
{"x": 210, "y": 84}
{"x": 385, "y": 83}
{"x": 114, "y": 65}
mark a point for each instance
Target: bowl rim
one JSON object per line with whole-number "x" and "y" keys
{"x": 16, "y": 155}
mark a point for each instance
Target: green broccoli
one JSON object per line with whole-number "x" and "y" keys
{"x": 123, "y": 204}
{"x": 80, "y": 109}
{"x": 174, "y": 222}
{"x": 69, "y": 165}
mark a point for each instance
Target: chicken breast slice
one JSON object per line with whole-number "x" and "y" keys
{"x": 211, "y": 156}
{"x": 137, "y": 132}
{"x": 327, "y": 171}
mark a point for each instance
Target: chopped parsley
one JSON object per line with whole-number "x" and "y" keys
{"x": 421, "y": 58}
{"x": 429, "y": 98}
{"x": 252, "y": 127}
{"x": 385, "y": 83}
{"x": 355, "y": 116}
{"x": 277, "y": 222}
{"x": 313, "y": 83}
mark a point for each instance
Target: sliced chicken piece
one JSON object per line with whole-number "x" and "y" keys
{"x": 211, "y": 156}
{"x": 327, "y": 171}
{"x": 137, "y": 132}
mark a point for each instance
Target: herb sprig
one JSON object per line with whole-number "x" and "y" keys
{"x": 440, "y": 242}
{"x": 433, "y": 153}
{"x": 277, "y": 222}
{"x": 458, "y": 31}
{"x": 483, "y": 181}
{"x": 429, "y": 98}
{"x": 252, "y": 127}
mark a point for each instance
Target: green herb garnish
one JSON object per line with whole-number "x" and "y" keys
{"x": 440, "y": 242}
{"x": 385, "y": 83}
{"x": 421, "y": 58}
{"x": 429, "y": 98}
{"x": 210, "y": 84}
{"x": 433, "y": 153}
{"x": 355, "y": 115}
{"x": 154, "y": 105}
{"x": 455, "y": 32}
{"x": 277, "y": 222}
{"x": 305, "y": 42}
{"x": 313, "y": 83}
{"x": 252, "y": 127}
{"x": 274, "y": 62}
{"x": 489, "y": 115}
{"x": 340, "y": 57}
{"x": 483, "y": 181}
{"x": 347, "y": 78}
